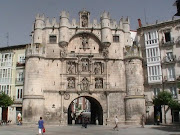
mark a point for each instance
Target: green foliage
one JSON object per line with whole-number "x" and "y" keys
{"x": 5, "y": 100}
{"x": 178, "y": 84}
{"x": 174, "y": 105}
{"x": 163, "y": 98}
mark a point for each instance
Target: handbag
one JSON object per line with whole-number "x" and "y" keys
{"x": 44, "y": 130}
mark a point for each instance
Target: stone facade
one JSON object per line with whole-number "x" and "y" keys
{"x": 12, "y": 64}
{"x": 160, "y": 44}
{"x": 85, "y": 59}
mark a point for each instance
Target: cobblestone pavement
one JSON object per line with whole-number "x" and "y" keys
{"x": 91, "y": 130}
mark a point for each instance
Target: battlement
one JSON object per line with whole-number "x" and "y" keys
{"x": 51, "y": 23}
{"x": 125, "y": 20}
{"x": 40, "y": 17}
{"x": 105, "y": 15}
{"x": 64, "y": 14}
{"x": 132, "y": 51}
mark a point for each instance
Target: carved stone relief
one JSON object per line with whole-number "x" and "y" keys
{"x": 84, "y": 21}
{"x": 105, "y": 52}
{"x": 98, "y": 83}
{"x": 71, "y": 83}
{"x": 98, "y": 68}
{"x": 71, "y": 67}
{"x": 85, "y": 42}
{"x": 63, "y": 53}
{"x": 85, "y": 84}
{"x": 85, "y": 65}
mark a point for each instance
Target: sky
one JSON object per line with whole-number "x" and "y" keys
{"x": 17, "y": 16}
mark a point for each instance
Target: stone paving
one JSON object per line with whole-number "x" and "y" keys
{"x": 91, "y": 130}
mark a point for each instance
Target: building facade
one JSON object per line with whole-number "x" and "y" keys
{"x": 160, "y": 43}
{"x": 96, "y": 60}
{"x": 12, "y": 64}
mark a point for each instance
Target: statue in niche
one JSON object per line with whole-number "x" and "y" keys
{"x": 85, "y": 65}
{"x": 71, "y": 83}
{"x": 98, "y": 83}
{"x": 85, "y": 44}
{"x": 71, "y": 67}
{"x": 63, "y": 53}
{"x": 97, "y": 68}
{"x": 105, "y": 52}
{"x": 84, "y": 21}
{"x": 85, "y": 84}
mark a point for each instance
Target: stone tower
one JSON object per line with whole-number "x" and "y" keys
{"x": 134, "y": 100}
{"x": 67, "y": 60}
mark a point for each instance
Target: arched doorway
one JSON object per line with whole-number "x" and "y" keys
{"x": 85, "y": 107}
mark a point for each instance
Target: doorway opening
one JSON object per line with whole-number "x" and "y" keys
{"x": 83, "y": 109}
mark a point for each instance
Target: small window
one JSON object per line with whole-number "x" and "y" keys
{"x": 167, "y": 36}
{"x": 156, "y": 91}
{"x": 52, "y": 39}
{"x": 115, "y": 38}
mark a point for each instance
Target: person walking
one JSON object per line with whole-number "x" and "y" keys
{"x": 116, "y": 123}
{"x": 142, "y": 121}
{"x": 41, "y": 126}
{"x": 19, "y": 117}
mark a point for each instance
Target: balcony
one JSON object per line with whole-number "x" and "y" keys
{"x": 6, "y": 64}
{"x": 19, "y": 81}
{"x": 20, "y": 64}
{"x": 5, "y": 80}
{"x": 167, "y": 43}
{"x": 169, "y": 59}
{"x": 169, "y": 79}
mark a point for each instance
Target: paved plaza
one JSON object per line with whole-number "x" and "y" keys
{"x": 91, "y": 130}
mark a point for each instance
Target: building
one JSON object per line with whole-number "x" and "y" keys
{"x": 12, "y": 64}
{"x": 160, "y": 43}
{"x": 95, "y": 60}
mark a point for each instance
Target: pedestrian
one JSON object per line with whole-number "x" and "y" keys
{"x": 41, "y": 126}
{"x": 19, "y": 118}
{"x": 116, "y": 123}
{"x": 142, "y": 121}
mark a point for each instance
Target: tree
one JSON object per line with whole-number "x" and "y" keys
{"x": 5, "y": 100}
{"x": 174, "y": 105}
{"x": 163, "y": 98}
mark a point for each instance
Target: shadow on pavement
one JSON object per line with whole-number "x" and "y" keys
{"x": 169, "y": 128}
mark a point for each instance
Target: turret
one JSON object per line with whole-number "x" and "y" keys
{"x": 64, "y": 28}
{"x": 134, "y": 100}
{"x": 106, "y": 34}
{"x": 127, "y": 34}
{"x": 38, "y": 26}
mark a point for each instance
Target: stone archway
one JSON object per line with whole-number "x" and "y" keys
{"x": 95, "y": 113}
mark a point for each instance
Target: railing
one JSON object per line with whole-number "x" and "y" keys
{"x": 5, "y": 80}
{"x": 19, "y": 64}
{"x": 168, "y": 43}
{"x": 19, "y": 80}
{"x": 170, "y": 78}
{"x": 6, "y": 64}
{"x": 169, "y": 59}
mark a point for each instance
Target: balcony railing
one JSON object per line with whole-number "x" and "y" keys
{"x": 20, "y": 64}
{"x": 168, "y": 43}
{"x": 6, "y": 64}
{"x": 5, "y": 80}
{"x": 169, "y": 59}
{"x": 170, "y": 78}
{"x": 19, "y": 80}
